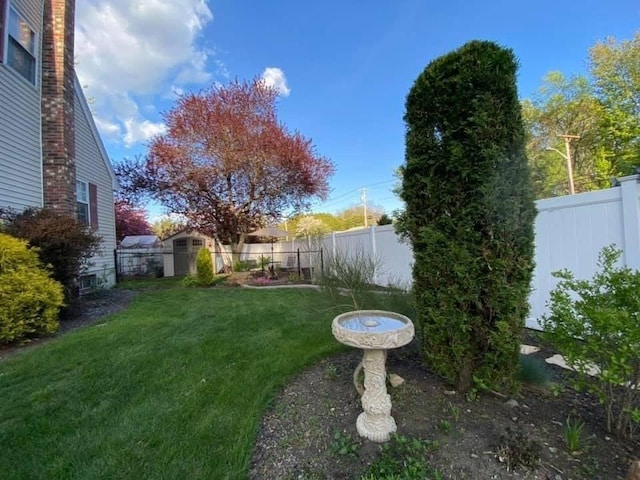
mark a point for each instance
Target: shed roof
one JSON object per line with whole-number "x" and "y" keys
{"x": 140, "y": 241}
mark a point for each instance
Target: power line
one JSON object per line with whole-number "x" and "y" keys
{"x": 341, "y": 197}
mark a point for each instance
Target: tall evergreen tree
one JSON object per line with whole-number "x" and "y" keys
{"x": 469, "y": 213}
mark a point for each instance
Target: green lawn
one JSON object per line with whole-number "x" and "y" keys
{"x": 173, "y": 388}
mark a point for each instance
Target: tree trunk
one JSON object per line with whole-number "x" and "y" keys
{"x": 465, "y": 377}
{"x": 237, "y": 244}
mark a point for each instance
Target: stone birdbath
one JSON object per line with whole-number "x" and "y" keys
{"x": 374, "y": 331}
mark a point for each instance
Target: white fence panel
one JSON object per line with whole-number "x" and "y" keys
{"x": 570, "y": 232}
{"x": 396, "y": 257}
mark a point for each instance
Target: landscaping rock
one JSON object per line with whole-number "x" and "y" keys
{"x": 395, "y": 380}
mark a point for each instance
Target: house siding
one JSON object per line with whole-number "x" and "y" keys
{"x": 54, "y": 111}
{"x": 20, "y": 150}
{"x": 92, "y": 166}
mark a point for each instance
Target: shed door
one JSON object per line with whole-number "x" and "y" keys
{"x": 195, "y": 244}
{"x": 181, "y": 257}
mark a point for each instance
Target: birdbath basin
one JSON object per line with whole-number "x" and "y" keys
{"x": 374, "y": 331}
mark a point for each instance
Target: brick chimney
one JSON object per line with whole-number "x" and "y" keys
{"x": 58, "y": 125}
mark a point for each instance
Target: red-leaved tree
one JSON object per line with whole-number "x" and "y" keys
{"x": 130, "y": 220}
{"x": 227, "y": 163}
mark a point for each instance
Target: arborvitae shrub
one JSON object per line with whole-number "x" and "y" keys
{"x": 469, "y": 214}
{"x": 204, "y": 266}
{"x": 63, "y": 242}
{"x": 29, "y": 299}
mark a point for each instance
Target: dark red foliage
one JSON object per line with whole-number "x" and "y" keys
{"x": 63, "y": 243}
{"x": 130, "y": 220}
{"x": 228, "y": 165}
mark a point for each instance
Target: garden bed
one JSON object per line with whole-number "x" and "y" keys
{"x": 263, "y": 279}
{"x": 310, "y": 431}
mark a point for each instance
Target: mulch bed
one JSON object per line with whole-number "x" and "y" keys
{"x": 477, "y": 439}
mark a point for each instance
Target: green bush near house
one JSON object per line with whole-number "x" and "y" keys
{"x": 204, "y": 267}
{"x": 29, "y": 299}
{"x": 469, "y": 214}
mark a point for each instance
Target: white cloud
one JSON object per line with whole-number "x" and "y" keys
{"x": 176, "y": 91}
{"x": 107, "y": 129}
{"x": 274, "y": 77}
{"x": 136, "y": 132}
{"x": 126, "y": 49}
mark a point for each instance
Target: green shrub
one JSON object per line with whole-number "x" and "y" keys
{"x": 403, "y": 458}
{"x": 533, "y": 371}
{"x": 204, "y": 267}
{"x": 241, "y": 266}
{"x": 350, "y": 275}
{"x": 63, "y": 243}
{"x": 29, "y": 299}
{"x": 263, "y": 262}
{"x": 191, "y": 281}
{"x": 349, "y": 281}
{"x": 597, "y": 323}
{"x": 469, "y": 214}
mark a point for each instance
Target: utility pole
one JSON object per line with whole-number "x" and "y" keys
{"x": 364, "y": 202}
{"x": 567, "y": 157}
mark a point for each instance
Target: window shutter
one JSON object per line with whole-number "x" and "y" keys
{"x": 3, "y": 20}
{"x": 93, "y": 205}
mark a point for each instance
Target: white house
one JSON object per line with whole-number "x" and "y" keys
{"x": 51, "y": 154}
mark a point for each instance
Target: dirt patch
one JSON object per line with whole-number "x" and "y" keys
{"x": 310, "y": 432}
{"x": 87, "y": 310}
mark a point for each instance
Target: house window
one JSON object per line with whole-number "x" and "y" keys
{"x": 88, "y": 282}
{"x": 3, "y": 13}
{"x": 82, "y": 199}
{"x": 197, "y": 242}
{"x": 182, "y": 242}
{"x": 87, "y": 203}
{"x": 21, "y": 46}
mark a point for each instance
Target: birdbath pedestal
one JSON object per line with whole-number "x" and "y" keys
{"x": 374, "y": 331}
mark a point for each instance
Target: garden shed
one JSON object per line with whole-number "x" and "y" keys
{"x": 181, "y": 250}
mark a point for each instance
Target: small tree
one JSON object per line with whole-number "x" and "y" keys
{"x": 596, "y": 323}
{"x": 130, "y": 220}
{"x": 227, "y": 164}
{"x": 63, "y": 242}
{"x": 310, "y": 226}
{"x": 204, "y": 266}
{"x": 385, "y": 219}
{"x": 469, "y": 214}
{"x": 167, "y": 226}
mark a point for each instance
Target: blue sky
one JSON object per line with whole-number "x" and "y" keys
{"x": 343, "y": 68}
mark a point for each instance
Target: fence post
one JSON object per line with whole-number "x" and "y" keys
{"x": 321, "y": 262}
{"x": 333, "y": 244}
{"x": 299, "y": 270}
{"x": 630, "y": 221}
{"x": 374, "y": 256}
{"x": 115, "y": 263}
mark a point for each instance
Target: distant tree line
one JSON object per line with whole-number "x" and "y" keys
{"x": 602, "y": 108}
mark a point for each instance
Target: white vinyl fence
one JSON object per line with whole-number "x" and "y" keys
{"x": 570, "y": 231}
